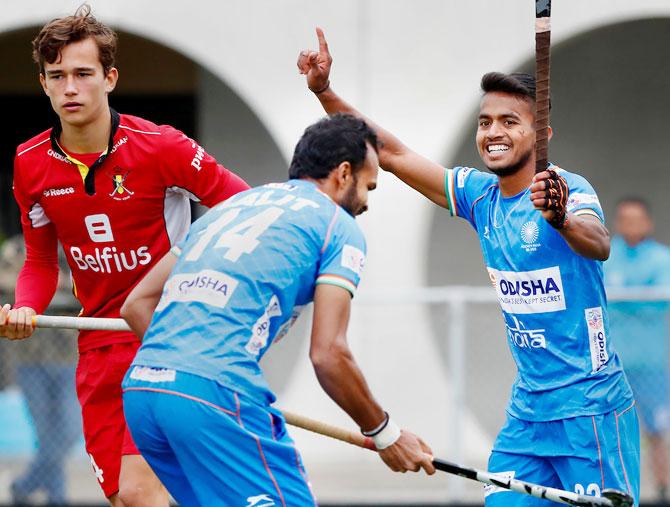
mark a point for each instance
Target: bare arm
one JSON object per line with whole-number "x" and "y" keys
{"x": 417, "y": 171}
{"x": 140, "y": 304}
{"x": 587, "y": 236}
{"x": 343, "y": 381}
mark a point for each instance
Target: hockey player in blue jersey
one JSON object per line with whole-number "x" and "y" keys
{"x": 195, "y": 399}
{"x": 571, "y": 420}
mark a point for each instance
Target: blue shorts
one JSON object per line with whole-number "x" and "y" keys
{"x": 209, "y": 446}
{"x": 650, "y": 388}
{"x": 582, "y": 454}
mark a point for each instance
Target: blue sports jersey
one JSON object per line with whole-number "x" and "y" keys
{"x": 553, "y": 300}
{"x": 639, "y": 328}
{"x": 244, "y": 271}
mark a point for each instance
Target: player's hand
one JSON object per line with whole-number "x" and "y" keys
{"x": 408, "y": 453}
{"x": 316, "y": 65}
{"x": 549, "y": 193}
{"x": 17, "y": 323}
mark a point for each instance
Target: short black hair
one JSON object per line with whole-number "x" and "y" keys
{"x": 329, "y": 142}
{"x": 635, "y": 199}
{"x": 516, "y": 83}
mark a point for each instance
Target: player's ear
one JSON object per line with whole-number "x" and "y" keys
{"x": 550, "y": 132}
{"x": 110, "y": 79}
{"x": 43, "y": 82}
{"x": 344, "y": 174}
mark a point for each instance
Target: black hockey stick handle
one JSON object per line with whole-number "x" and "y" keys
{"x": 542, "y": 67}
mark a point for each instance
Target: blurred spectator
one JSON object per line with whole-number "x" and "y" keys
{"x": 639, "y": 329}
{"x": 44, "y": 366}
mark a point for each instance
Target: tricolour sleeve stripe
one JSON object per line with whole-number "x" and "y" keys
{"x": 338, "y": 281}
{"x": 450, "y": 192}
{"x": 588, "y": 211}
{"x": 176, "y": 251}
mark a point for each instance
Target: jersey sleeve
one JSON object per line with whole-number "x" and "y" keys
{"x": 342, "y": 254}
{"x": 463, "y": 187}
{"x": 38, "y": 279}
{"x": 186, "y": 165}
{"x": 582, "y": 198}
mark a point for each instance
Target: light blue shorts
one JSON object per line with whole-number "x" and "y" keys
{"x": 211, "y": 447}
{"x": 582, "y": 454}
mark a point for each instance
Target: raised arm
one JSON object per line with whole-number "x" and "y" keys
{"x": 417, "y": 171}
{"x": 140, "y": 304}
{"x": 343, "y": 381}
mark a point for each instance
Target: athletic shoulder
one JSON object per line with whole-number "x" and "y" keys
{"x": 28, "y": 146}
{"x": 574, "y": 179}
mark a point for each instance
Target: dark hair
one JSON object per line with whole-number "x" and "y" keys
{"x": 634, "y": 199}
{"x": 60, "y": 32}
{"x": 516, "y": 83}
{"x": 329, "y": 142}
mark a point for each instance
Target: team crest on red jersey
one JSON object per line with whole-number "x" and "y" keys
{"x": 121, "y": 191}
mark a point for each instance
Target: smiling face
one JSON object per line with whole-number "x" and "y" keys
{"x": 506, "y": 133}
{"x": 77, "y": 85}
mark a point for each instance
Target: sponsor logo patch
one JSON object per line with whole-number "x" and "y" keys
{"x": 525, "y": 338}
{"x": 581, "y": 199}
{"x": 523, "y": 292}
{"x": 54, "y": 192}
{"x": 597, "y": 338}
{"x": 353, "y": 259}
{"x": 153, "y": 374}
{"x": 207, "y": 286}
{"x": 260, "y": 332}
{"x": 58, "y": 156}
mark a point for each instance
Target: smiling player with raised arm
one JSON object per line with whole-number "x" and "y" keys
{"x": 571, "y": 420}
{"x": 232, "y": 289}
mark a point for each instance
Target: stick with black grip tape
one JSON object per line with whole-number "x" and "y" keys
{"x": 542, "y": 66}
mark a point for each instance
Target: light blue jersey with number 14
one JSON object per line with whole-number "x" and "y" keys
{"x": 244, "y": 272}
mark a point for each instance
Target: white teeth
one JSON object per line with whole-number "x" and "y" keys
{"x": 497, "y": 148}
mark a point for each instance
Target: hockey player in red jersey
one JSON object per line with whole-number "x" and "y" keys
{"x": 114, "y": 190}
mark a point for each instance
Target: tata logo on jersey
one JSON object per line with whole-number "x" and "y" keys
{"x": 525, "y": 338}
{"x": 523, "y": 292}
{"x": 207, "y": 286}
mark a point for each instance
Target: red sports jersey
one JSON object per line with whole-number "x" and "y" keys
{"x": 114, "y": 220}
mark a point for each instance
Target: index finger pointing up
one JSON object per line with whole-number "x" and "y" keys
{"x": 323, "y": 45}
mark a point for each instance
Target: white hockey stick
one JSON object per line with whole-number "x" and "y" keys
{"x": 87, "y": 323}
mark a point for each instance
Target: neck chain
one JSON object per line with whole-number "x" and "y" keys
{"x": 498, "y": 225}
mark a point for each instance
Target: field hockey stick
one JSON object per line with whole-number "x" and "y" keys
{"x": 610, "y": 497}
{"x": 81, "y": 323}
{"x": 542, "y": 65}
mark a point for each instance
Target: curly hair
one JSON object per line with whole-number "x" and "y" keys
{"x": 60, "y": 32}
